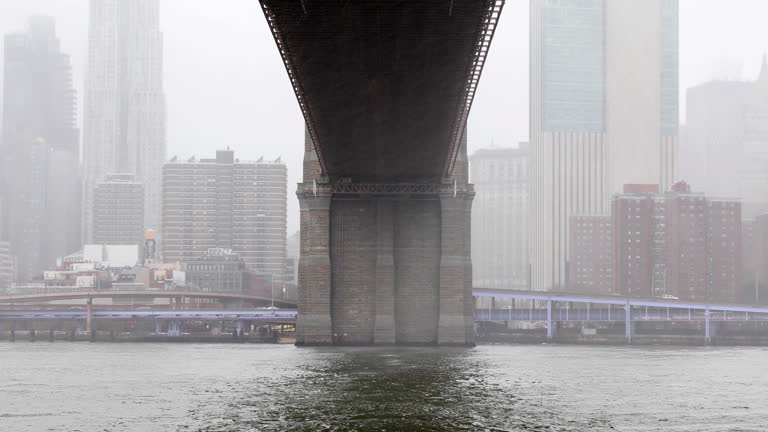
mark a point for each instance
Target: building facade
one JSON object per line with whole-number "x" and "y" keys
{"x": 754, "y": 288}
{"x": 118, "y": 209}
{"x": 216, "y": 270}
{"x": 724, "y": 226}
{"x": 590, "y": 270}
{"x": 500, "y": 215}
{"x": 229, "y": 204}
{"x": 676, "y": 244}
{"x": 634, "y": 236}
{"x": 604, "y": 110}
{"x": 7, "y": 267}
{"x": 39, "y": 150}
{"x": 124, "y": 115}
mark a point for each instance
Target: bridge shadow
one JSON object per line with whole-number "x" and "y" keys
{"x": 388, "y": 389}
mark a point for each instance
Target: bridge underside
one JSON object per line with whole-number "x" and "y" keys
{"x": 385, "y": 87}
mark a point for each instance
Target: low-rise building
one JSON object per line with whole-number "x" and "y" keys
{"x": 216, "y": 270}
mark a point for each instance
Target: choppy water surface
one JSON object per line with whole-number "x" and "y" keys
{"x": 174, "y": 387}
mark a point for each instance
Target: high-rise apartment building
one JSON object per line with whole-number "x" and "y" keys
{"x": 124, "y": 115}
{"x": 604, "y": 109}
{"x": 635, "y": 235}
{"x": 118, "y": 209}
{"x": 679, "y": 244}
{"x": 500, "y": 214}
{"x": 229, "y": 204}
{"x": 39, "y": 150}
{"x": 726, "y": 145}
{"x": 590, "y": 270}
{"x": 724, "y": 225}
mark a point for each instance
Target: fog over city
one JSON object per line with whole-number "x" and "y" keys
{"x": 383, "y": 215}
{"x": 223, "y": 74}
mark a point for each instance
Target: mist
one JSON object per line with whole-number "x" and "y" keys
{"x": 223, "y": 74}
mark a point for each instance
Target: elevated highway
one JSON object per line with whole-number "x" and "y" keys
{"x": 548, "y": 308}
{"x": 55, "y": 295}
{"x": 555, "y": 307}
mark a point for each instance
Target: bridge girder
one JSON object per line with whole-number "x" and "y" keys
{"x": 385, "y": 86}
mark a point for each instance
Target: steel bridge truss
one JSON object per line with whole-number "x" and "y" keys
{"x": 296, "y": 84}
{"x": 350, "y": 188}
{"x": 482, "y": 46}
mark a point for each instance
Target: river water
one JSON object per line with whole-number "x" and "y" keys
{"x": 185, "y": 387}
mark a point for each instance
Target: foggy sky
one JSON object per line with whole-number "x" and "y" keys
{"x": 226, "y": 86}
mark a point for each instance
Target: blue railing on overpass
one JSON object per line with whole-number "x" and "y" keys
{"x": 71, "y": 293}
{"x": 549, "y": 307}
{"x": 281, "y": 315}
{"x": 555, "y": 307}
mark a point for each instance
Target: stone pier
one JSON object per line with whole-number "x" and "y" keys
{"x": 384, "y": 267}
{"x": 385, "y": 263}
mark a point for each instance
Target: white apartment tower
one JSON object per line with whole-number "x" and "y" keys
{"x": 603, "y": 113}
{"x": 225, "y": 203}
{"x": 124, "y": 115}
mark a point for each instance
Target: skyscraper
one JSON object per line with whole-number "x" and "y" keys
{"x": 754, "y": 171}
{"x": 500, "y": 217}
{"x": 39, "y": 150}
{"x": 727, "y": 140}
{"x": 229, "y": 204}
{"x": 604, "y": 108}
{"x": 124, "y": 102}
{"x": 712, "y": 150}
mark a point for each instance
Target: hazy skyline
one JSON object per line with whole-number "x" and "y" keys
{"x": 223, "y": 74}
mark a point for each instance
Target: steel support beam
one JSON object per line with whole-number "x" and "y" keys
{"x": 89, "y": 316}
{"x": 628, "y": 325}
{"x": 707, "y": 326}
{"x": 550, "y": 322}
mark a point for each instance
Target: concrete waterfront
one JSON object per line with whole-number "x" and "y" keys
{"x": 537, "y": 317}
